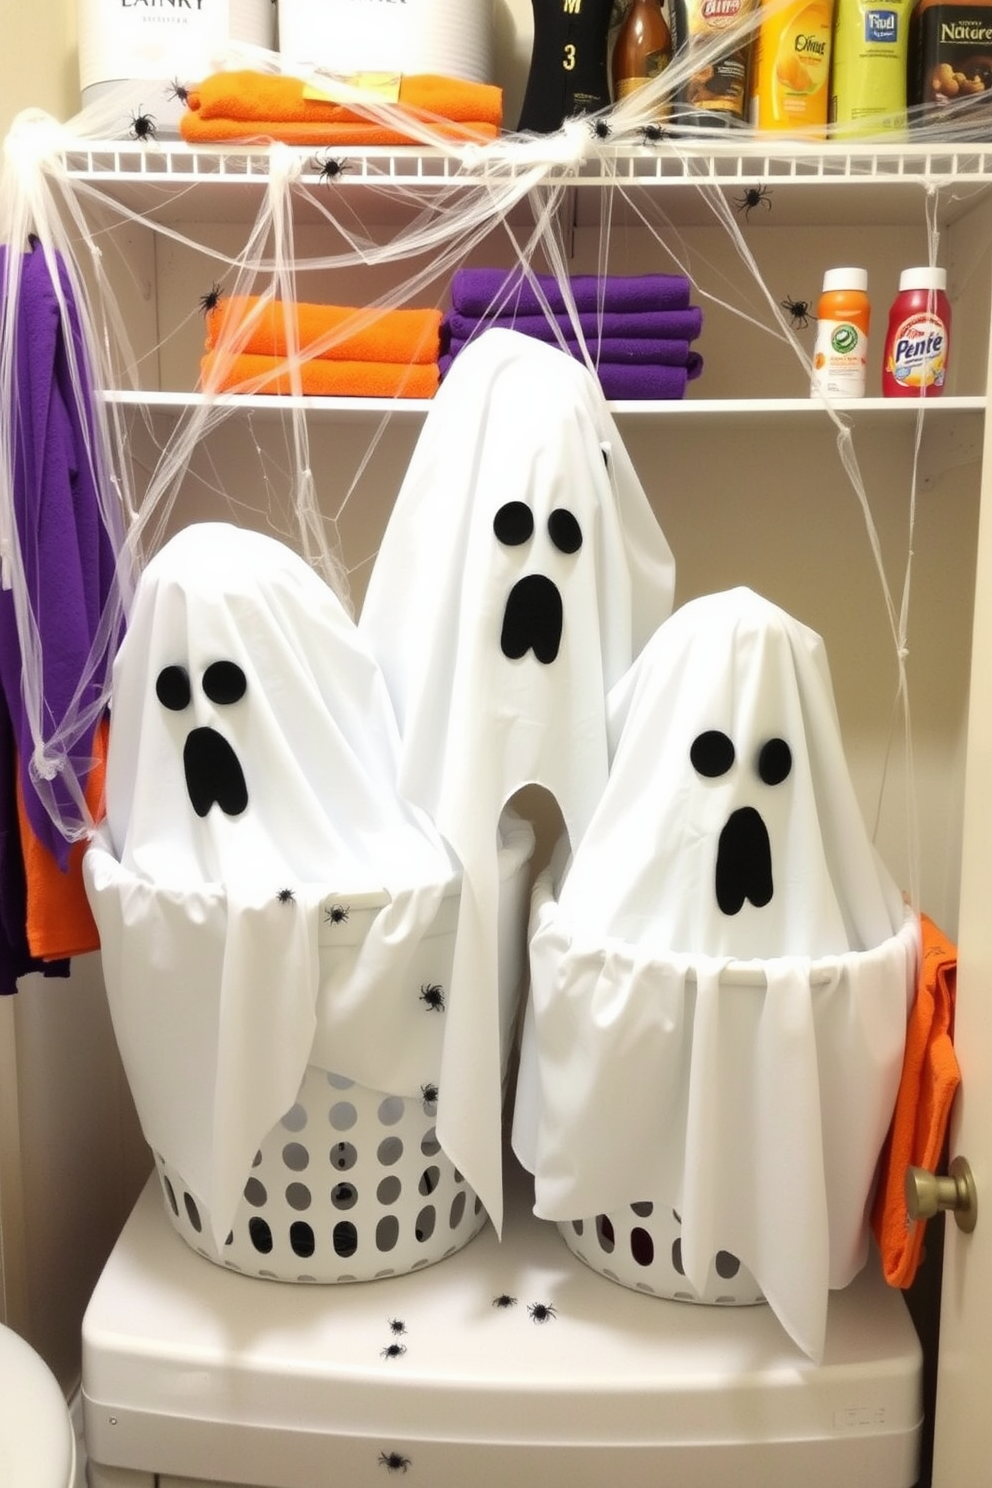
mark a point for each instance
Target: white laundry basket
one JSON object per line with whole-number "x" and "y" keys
{"x": 352, "y": 1184}
{"x": 857, "y": 1003}
{"x": 641, "y": 1247}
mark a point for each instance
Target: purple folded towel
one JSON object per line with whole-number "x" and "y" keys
{"x": 643, "y": 381}
{"x": 665, "y": 353}
{"x": 504, "y": 292}
{"x": 646, "y": 325}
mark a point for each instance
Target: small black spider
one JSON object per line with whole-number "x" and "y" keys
{"x": 432, "y": 996}
{"x": 396, "y": 1325}
{"x": 393, "y": 1461}
{"x": 329, "y": 170}
{"x": 600, "y": 128}
{"x": 211, "y": 300}
{"x": 653, "y": 134}
{"x": 286, "y": 896}
{"x": 429, "y": 1094}
{"x": 393, "y": 1350}
{"x": 542, "y": 1312}
{"x": 337, "y": 914}
{"x": 504, "y": 1300}
{"x": 177, "y": 90}
{"x": 798, "y": 311}
{"x": 752, "y": 196}
{"x": 142, "y": 127}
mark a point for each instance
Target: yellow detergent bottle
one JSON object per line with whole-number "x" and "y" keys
{"x": 792, "y": 67}
{"x": 870, "y": 54}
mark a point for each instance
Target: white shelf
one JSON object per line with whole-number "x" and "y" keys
{"x": 810, "y": 182}
{"x": 876, "y": 411}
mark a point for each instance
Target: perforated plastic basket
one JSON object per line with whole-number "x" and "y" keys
{"x": 641, "y": 1247}
{"x": 352, "y": 1184}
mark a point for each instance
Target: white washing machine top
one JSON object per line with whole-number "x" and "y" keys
{"x": 37, "y": 1442}
{"x": 505, "y": 1362}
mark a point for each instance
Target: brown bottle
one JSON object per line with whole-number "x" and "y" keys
{"x": 642, "y": 51}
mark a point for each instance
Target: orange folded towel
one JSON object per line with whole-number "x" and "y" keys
{"x": 930, "y": 1077}
{"x": 338, "y": 333}
{"x": 247, "y": 105}
{"x": 59, "y": 921}
{"x": 319, "y": 377}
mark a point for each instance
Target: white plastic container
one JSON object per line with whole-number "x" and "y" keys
{"x": 163, "y": 40}
{"x": 352, "y": 1183}
{"x": 450, "y": 37}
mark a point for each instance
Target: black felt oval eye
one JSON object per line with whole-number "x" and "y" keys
{"x": 774, "y": 761}
{"x": 513, "y": 524}
{"x": 564, "y": 530}
{"x": 224, "y": 682}
{"x": 711, "y": 753}
{"x": 172, "y": 688}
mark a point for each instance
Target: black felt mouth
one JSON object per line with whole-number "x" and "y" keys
{"x": 532, "y": 620}
{"x": 743, "y": 862}
{"x": 213, "y": 773}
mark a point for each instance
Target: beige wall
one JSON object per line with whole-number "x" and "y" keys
{"x": 38, "y": 58}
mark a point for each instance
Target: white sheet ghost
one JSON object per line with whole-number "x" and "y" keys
{"x": 721, "y": 978}
{"x": 251, "y": 777}
{"x": 521, "y": 571}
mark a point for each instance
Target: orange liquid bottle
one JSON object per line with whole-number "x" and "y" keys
{"x": 843, "y": 312}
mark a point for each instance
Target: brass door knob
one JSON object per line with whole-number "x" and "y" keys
{"x": 927, "y": 1194}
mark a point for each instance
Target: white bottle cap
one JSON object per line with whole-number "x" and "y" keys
{"x": 845, "y": 279}
{"x": 922, "y": 279}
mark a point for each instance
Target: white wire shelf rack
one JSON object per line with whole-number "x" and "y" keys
{"x": 830, "y": 181}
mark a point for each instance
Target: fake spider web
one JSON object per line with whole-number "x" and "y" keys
{"x": 314, "y": 237}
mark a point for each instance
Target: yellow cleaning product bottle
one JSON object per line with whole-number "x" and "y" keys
{"x": 791, "y": 73}
{"x": 870, "y": 53}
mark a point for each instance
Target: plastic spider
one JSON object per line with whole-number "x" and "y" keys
{"x": 504, "y": 1300}
{"x": 429, "y": 1093}
{"x": 142, "y": 127}
{"x": 178, "y": 90}
{"x": 393, "y": 1350}
{"x": 653, "y": 134}
{"x": 542, "y": 1312}
{"x": 751, "y": 198}
{"x": 329, "y": 170}
{"x": 600, "y": 129}
{"x": 286, "y": 896}
{"x": 211, "y": 299}
{"x": 336, "y": 914}
{"x": 393, "y": 1461}
{"x": 798, "y": 311}
{"x": 432, "y": 996}
{"x": 396, "y": 1325}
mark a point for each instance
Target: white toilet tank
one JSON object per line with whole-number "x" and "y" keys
{"x": 37, "y": 1444}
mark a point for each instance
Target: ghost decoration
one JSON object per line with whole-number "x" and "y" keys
{"x": 251, "y": 796}
{"x": 521, "y": 571}
{"x": 721, "y": 976}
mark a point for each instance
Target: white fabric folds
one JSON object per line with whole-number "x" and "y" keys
{"x": 520, "y": 573}
{"x": 251, "y": 792}
{"x": 721, "y": 977}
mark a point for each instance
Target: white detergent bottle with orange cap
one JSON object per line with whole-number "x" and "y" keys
{"x": 918, "y": 341}
{"x": 843, "y": 315}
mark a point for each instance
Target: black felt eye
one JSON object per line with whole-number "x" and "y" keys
{"x": 172, "y": 688}
{"x": 513, "y": 524}
{"x": 564, "y": 531}
{"x": 711, "y": 753}
{"x": 774, "y": 761}
{"x": 224, "y": 682}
